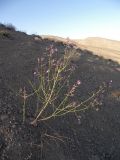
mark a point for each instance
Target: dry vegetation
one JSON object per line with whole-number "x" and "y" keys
{"x": 109, "y": 49}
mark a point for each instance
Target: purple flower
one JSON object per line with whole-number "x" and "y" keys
{"x": 56, "y": 49}
{"x": 35, "y": 73}
{"x": 111, "y": 81}
{"x": 48, "y": 71}
{"x": 78, "y": 82}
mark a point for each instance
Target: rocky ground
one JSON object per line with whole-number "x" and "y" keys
{"x": 91, "y": 135}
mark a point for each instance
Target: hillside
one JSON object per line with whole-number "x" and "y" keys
{"x": 109, "y": 49}
{"x": 93, "y": 134}
{"x": 101, "y": 43}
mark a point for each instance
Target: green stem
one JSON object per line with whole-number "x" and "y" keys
{"x": 45, "y": 106}
{"x": 24, "y": 110}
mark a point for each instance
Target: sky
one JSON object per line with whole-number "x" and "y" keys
{"x": 75, "y": 19}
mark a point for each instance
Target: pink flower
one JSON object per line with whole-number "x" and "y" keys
{"x": 35, "y": 73}
{"x": 48, "y": 71}
{"x": 110, "y": 81}
{"x": 51, "y": 49}
{"x": 56, "y": 49}
{"x": 78, "y": 82}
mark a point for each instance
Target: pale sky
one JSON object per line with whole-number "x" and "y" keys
{"x": 65, "y": 18}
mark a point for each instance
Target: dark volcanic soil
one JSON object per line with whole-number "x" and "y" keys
{"x": 96, "y": 137}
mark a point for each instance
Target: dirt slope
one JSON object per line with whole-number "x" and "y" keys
{"x": 91, "y": 135}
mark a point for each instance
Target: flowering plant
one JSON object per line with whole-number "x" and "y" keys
{"x": 52, "y": 89}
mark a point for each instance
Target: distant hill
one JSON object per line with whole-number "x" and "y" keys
{"x": 100, "y": 42}
{"x": 109, "y": 49}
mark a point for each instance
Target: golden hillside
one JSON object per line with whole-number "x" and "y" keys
{"x": 109, "y": 49}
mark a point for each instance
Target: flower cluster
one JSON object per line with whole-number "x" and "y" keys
{"x": 74, "y": 87}
{"x": 51, "y": 50}
{"x": 51, "y": 77}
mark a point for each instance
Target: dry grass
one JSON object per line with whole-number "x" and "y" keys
{"x": 4, "y": 33}
{"x": 108, "y": 49}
